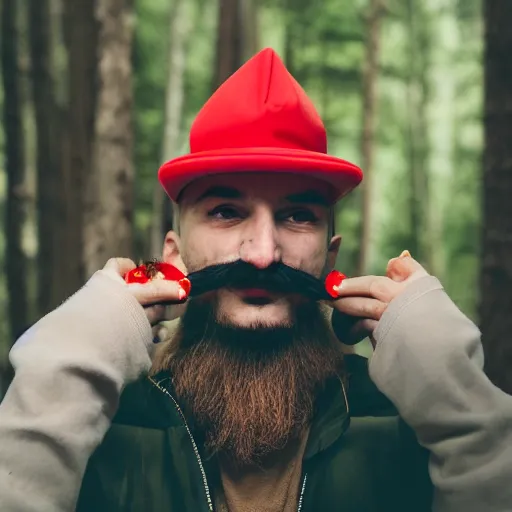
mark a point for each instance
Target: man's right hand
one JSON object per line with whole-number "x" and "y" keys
{"x": 155, "y": 296}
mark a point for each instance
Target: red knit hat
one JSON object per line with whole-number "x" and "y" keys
{"x": 260, "y": 119}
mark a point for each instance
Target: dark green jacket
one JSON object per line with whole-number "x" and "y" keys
{"x": 364, "y": 459}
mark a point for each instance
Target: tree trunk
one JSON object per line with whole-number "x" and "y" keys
{"x": 50, "y": 208}
{"x": 427, "y": 238}
{"x": 411, "y": 138}
{"x": 76, "y": 137}
{"x": 417, "y": 136}
{"x": 237, "y": 37}
{"x": 178, "y": 30}
{"x": 496, "y": 262}
{"x": 230, "y": 45}
{"x": 109, "y": 184}
{"x": 16, "y": 203}
{"x": 290, "y": 37}
{"x": 250, "y": 24}
{"x": 370, "y": 76}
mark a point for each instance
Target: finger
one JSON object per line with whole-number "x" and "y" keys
{"x": 164, "y": 312}
{"x": 363, "y": 329}
{"x": 377, "y": 287}
{"x": 402, "y": 268}
{"x": 155, "y": 313}
{"x": 394, "y": 271}
{"x": 157, "y": 292}
{"x": 351, "y": 330}
{"x": 120, "y": 265}
{"x": 361, "y": 307}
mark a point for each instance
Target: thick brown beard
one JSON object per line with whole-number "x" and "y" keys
{"x": 248, "y": 392}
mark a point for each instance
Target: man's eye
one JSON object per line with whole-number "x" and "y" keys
{"x": 301, "y": 216}
{"x": 224, "y": 212}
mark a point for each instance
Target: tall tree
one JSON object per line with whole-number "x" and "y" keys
{"x": 496, "y": 262}
{"x": 229, "y": 56}
{"x": 50, "y": 197}
{"x": 370, "y": 77}
{"x": 178, "y": 34}
{"x": 80, "y": 35}
{"x": 16, "y": 264}
{"x": 417, "y": 101}
{"x": 109, "y": 183}
{"x": 237, "y": 37}
{"x": 250, "y": 23}
{"x": 291, "y": 14}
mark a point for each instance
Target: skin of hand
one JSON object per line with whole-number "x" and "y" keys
{"x": 365, "y": 299}
{"x": 156, "y": 297}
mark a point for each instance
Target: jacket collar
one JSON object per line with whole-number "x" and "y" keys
{"x": 331, "y": 420}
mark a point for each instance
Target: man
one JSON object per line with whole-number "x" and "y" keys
{"x": 251, "y": 406}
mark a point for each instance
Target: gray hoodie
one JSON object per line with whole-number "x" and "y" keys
{"x": 72, "y": 366}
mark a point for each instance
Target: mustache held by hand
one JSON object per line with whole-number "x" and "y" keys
{"x": 278, "y": 277}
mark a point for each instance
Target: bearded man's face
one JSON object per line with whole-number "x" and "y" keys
{"x": 247, "y": 364}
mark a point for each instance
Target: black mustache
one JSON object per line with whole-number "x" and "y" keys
{"x": 278, "y": 277}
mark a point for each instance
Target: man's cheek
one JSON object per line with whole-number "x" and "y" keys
{"x": 191, "y": 258}
{"x": 196, "y": 258}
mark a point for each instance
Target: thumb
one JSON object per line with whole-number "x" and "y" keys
{"x": 159, "y": 291}
{"x": 404, "y": 267}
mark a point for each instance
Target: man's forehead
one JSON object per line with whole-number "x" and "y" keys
{"x": 269, "y": 186}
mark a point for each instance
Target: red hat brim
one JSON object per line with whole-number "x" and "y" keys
{"x": 176, "y": 174}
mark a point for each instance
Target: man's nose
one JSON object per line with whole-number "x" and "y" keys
{"x": 260, "y": 246}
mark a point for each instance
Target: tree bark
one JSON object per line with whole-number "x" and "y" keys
{"x": 174, "y": 97}
{"x": 230, "y": 44}
{"x": 50, "y": 208}
{"x": 17, "y": 194}
{"x": 370, "y": 77}
{"x": 417, "y": 137}
{"x": 76, "y": 137}
{"x": 496, "y": 261}
{"x": 109, "y": 184}
{"x": 411, "y": 138}
{"x": 250, "y": 23}
{"x": 237, "y": 37}
{"x": 290, "y": 37}
{"x": 427, "y": 237}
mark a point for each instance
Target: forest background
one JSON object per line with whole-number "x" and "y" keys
{"x": 96, "y": 94}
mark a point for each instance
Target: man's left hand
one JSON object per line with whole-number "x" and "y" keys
{"x": 365, "y": 299}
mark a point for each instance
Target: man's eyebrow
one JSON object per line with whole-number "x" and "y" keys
{"x": 311, "y": 197}
{"x": 220, "y": 193}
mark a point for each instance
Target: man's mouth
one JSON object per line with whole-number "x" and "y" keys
{"x": 255, "y": 296}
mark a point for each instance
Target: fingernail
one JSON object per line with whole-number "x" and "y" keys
{"x": 333, "y": 283}
{"x": 405, "y": 254}
{"x": 185, "y": 285}
{"x": 182, "y": 294}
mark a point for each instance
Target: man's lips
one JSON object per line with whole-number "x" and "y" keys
{"x": 254, "y": 293}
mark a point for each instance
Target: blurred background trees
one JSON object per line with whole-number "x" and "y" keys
{"x": 97, "y": 94}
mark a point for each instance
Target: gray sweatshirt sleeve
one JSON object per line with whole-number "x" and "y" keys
{"x": 70, "y": 370}
{"x": 429, "y": 361}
